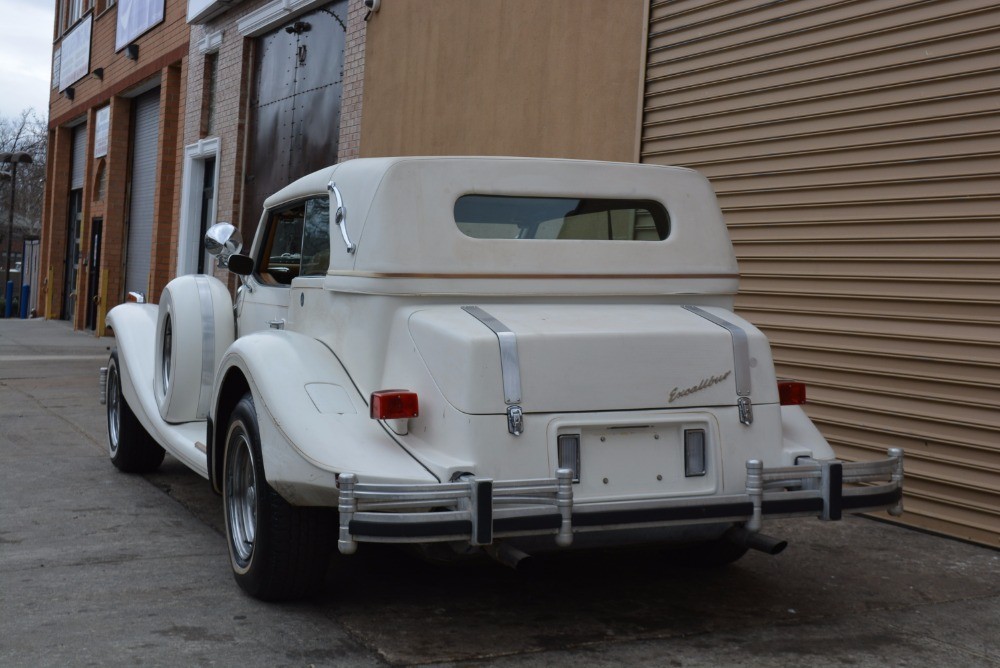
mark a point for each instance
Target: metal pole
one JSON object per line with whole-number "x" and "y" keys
{"x": 10, "y": 219}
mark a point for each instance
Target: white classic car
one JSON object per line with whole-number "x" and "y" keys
{"x": 502, "y": 355}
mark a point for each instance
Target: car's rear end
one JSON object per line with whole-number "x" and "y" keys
{"x": 599, "y": 424}
{"x": 554, "y": 341}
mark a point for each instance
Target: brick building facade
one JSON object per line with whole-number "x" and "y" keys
{"x": 101, "y": 72}
{"x": 228, "y": 44}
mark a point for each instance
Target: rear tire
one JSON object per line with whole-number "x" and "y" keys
{"x": 130, "y": 446}
{"x": 278, "y": 551}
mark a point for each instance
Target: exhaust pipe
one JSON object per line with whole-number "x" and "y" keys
{"x": 507, "y": 555}
{"x": 756, "y": 541}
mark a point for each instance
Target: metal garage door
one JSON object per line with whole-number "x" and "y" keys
{"x": 145, "y": 138}
{"x": 855, "y": 147}
{"x": 79, "y": 158}
{"x": 298, "y": 73}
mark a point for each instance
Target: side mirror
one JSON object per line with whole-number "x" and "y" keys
{"x": 241, "y": 265}
{"x": 223, "y": 240}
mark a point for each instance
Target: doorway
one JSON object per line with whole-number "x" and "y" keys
{"x": 94, "y": 272}
{"x": 72, "y": 254}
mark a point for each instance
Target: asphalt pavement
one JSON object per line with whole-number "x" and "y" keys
{"x": 106, "y": 569}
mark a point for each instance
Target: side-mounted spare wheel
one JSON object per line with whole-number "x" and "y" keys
{"x": 194, "y": 327}
{"x": 277, "y": 551}
{"x": 131, "y": 447}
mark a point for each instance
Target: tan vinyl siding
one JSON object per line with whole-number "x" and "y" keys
{"x": 855, "y": 149}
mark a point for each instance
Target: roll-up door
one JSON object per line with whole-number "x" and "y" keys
{"x": 855, "y": 148}
{"x": 77, "y": 178}
{"x": 145, "y": 138}
{"x": 79, "y": 157}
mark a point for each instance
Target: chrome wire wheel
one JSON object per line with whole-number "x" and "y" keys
{"x": 241, "y": 496}
{"x": 114, "y": 409}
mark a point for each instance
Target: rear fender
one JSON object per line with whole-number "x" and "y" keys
{"x": 800, "y": 437}
{"x": 313, "y": 422}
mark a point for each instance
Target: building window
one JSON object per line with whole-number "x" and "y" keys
{"x": 71, "y": 11}
{"x": 211, "y": 78}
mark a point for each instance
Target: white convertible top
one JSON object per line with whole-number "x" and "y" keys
{"x": 400, "y": 214}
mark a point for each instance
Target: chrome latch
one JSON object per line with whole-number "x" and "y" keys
{"x": 515, "y": 420}
{"x": 746, "y": 410}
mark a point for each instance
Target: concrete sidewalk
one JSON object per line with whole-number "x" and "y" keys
{"x": 103, "y": 568}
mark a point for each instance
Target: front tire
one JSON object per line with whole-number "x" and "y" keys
{"x": 277, "y": 551}
{"x": 130, "y": 446}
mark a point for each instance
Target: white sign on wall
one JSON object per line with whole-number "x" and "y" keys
{"x": 74, "y": 63}
{"x": 101, "y": 124}
{"x": 134, "y": 18}
{"x": 200, "y": 11}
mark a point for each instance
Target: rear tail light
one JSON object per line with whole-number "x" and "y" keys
{"x": 394, "y": 405}
{"x": 694, "y": 452}
{"x": 791, "y": 393}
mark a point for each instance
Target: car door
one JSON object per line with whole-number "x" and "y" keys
{"x": 263, "y": 301}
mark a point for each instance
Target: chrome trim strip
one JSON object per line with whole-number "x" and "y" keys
{"x": 340, "y": 216}
{"x": 351, "y": 273}
{"x": 207, "y": 344}
{"x": 741, "y": 348}
{"x": 510, "y": 366}
{"x": 102, "y": 382}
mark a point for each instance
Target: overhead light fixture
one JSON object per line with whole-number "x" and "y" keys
{"x": 298, "y": 27}
{"x": 132, "y": 51}
{"x": 70, "y": 92}
{"x": 98, "y": 73}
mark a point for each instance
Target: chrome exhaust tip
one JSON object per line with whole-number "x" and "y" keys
{"x": 508, "y": 555}
{"x": 756, "y": 541}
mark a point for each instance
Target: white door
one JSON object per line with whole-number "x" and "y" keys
{"x": 287, "y": 248}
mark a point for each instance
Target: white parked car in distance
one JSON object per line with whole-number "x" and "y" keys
{"x": 504, "y": 355}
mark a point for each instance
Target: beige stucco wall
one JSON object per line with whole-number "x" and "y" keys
{"x": 559, "y": 78}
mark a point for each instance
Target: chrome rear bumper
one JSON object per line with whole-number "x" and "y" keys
{"x": 480, "y": 510}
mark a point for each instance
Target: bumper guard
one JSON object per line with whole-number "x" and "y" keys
{"x": 479, "y": 510}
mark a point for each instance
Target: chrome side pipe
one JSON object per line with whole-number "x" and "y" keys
{"x": 757, "y": 541}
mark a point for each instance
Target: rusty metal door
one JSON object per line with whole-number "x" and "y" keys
{"x": 298, "y": 72}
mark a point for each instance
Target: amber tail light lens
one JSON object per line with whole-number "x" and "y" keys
{"x": 791, "y": 393}
{"x": 394, "y": 405}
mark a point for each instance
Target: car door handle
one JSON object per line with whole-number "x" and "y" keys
{"x": 276, "y": 324}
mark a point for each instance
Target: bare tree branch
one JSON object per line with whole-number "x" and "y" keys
{"x": 24, "y": 132}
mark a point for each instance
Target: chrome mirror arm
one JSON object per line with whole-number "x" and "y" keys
{"x": 340, "y": 216}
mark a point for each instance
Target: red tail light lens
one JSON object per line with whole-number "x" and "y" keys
{"x": 791, "y": 393}
{"x": 394, "y": 405}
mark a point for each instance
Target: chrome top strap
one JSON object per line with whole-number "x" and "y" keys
{"x": 741, "y": 348}
{"x": 509, "y": 364}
